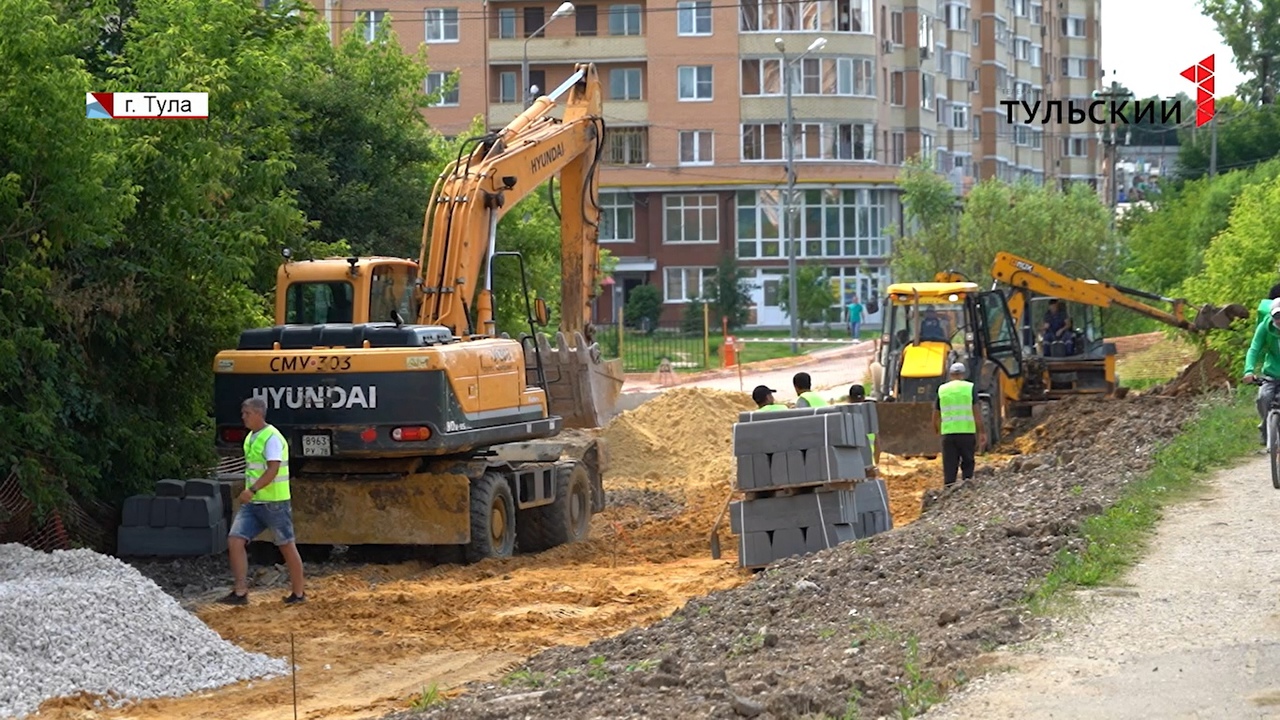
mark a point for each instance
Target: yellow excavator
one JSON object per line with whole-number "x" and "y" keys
{"x": 411, "y": 419}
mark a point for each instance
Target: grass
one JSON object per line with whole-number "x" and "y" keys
{"x": 1222, "y": 432}
{"x": 641, "y": 353}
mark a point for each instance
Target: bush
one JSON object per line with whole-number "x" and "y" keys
{"x": 645, "y": 303}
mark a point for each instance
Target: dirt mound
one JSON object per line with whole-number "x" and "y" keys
{"x": 1203, "y": 375}
{"x": 873, "y": 620}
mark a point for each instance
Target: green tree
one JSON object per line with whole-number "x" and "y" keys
{"x": 692, "y": 318}
{"x": 531, "y": 228}
{"x": 1251, "y": 28}
{"x": 644, "y": 303}
{"x": 728, "y": 295}
{"x": 1246, "y": 135}
{"x": 929, "y": 242}
{"x": 814, "y": 295}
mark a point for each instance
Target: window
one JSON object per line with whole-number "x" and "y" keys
{"x": 763, "y": 142}
{"x": 372, "y": 19}
{"x": 958, "y": 66}
{"x": 626, "y": 145}
{"x": 1002, "y": 32}
{"x": 1073, "y": 27}
{"x": 897, "y": 88}
{"x": 1073, "y": 67}
{"x": 830, "y": 223}
{"x": 436, "y": 84}
{"x": 693, "y": 17}
{"x": 691, "y": 219}
{"x": 1075, "y": 146}
{"x": 1022, "y": 8}
{"x": 617, "y": 217}
{"x": 959, "y": 116}
{"x": 957, "y": 17}
{"x": 507, "y": 84}
{"x": 534, "y": 19}
{"x": 442, "y": 25}
{"x": 926, "y": 90}
{"x": 926, "y": 31}
{"x": 506, "y": 22}
{"x": 1022, "y": 49}
{"x": 977, "y": 32}
{"x": 1037, "y": 14}
{"x": 1022, "y": 135}
{"x": 1037, "y": 53}
{"x": 686, "y": 284}
{"x": 624, "y": 20}
{"x": 1037, "y": 137}
{"x": 624, "y": 84}
{"x": 896, "y": 32}
{"x": 694, "y": 82}
{"x": 899, "y": 155}
{"x": 926, "y": 146}
{"x": 314, "y": 303}
{"x": 584, "y": 20}
{"x": 1022, "y": 90}
{"x": 696, "y": 147}
{"x": 816, "y": 76}
{"x": 850, "y": 16}
{"x": 391, "y": 289}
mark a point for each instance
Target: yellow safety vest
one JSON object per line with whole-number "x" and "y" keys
{"x": 814, "y": 399}
{"x": 255, "y": 458}
{"x": 872, "y": 438}
{"x": 955, "y": 404}
{"x": 773, "y": 406}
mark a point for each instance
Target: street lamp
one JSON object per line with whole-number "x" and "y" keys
{"x": 566, "y": 8}
{"x": 787, "y": 210}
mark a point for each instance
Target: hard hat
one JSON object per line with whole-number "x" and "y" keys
{"x": 957, "y": 368}
{"x": 1275, "y": 307}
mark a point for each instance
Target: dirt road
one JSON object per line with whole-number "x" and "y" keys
{"x": 1192, "y": 632}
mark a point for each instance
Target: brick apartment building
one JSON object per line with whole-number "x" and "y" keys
{"x": 695, "y": 109}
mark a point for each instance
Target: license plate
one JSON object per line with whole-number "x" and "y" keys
{"x": 315, "y": 445}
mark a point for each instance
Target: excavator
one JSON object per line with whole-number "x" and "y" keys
{"x": 411, "y": 419}
{"x": 991, "y": 333}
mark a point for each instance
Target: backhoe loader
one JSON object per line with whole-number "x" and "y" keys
{"x": 411, "y": 419}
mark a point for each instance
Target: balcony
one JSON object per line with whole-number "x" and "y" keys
{"x": 773, "y": 107}
{"x": 616, "y": 112}
{"x": 601, "y": 48}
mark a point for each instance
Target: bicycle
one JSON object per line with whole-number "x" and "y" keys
{"x": 1272, "y": 426}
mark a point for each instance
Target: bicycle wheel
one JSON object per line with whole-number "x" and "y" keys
{"x": 1273, "y": 446}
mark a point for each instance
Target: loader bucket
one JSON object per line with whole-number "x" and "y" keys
{"x": 1211, "y": 317}
{"x": 906, "y": 429}
{"x": 582, "y": 387}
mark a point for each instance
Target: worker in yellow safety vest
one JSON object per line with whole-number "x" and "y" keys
{"x": 763, "y": 396}
{"x": 805, "y": 396}
{"x": 858, "y": 394}
{"x": 957, "y": 418}
{"x": 264, "y": 504}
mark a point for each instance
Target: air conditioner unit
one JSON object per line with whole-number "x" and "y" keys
{"x": 886, "y": 47}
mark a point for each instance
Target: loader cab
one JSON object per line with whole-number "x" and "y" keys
{"x": 346, "y": 291}
{"x": 1085, "y": 328}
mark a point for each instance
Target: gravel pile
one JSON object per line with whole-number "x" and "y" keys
{"x": 75, "y": 622}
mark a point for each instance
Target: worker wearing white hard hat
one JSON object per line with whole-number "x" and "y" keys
{"x": 957, "y": 418}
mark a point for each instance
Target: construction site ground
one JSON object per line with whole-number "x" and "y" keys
{"x": 640, "y": 619}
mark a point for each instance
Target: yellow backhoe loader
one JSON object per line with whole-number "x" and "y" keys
{"x": 411, "y": 420}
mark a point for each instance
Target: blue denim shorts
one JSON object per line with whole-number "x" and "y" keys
{"x": 253, "y": 518}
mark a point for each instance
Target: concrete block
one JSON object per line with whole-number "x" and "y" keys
{"x": 166, "y": 511}
{"x": 759, "y": 415}
{"x": 872, "y": 502}
{"x": 821, "y": 537}
{"x": 754, "y": 549}
{"x": 759, "y": 469}
{"x": 833, "y": 464}
{"x": 203, "y": 488}
{"x": 170, "y": 488}
{"x": 171, "y": 541}
{"x": 788, "y": 542}
{"x": 744, "y": 477}
{"x": 200, "y": 512}
{"x": 136, "y": 511}
{"x": 795, "y": 467}
{"x": 778, "y": 475}
{"x": 800, "y": 433}
{"x": 792, "y": 511}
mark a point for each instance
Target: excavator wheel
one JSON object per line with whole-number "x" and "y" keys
{"x": 567, "y": 520}
{"x": 493, "y": 518}
{"x": 989, "y": 424}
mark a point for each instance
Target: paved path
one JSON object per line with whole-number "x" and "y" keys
{"x": 833, "y": 370}
{"x": 1193, "y": 632}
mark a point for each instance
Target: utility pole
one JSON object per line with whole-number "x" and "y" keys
{"x": 788, "y": 140}
{"x": 1112, "y": 148}
{"x": 1213, "y": 146}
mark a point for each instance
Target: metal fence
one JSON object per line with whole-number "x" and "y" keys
{"x": 643, "y": 349}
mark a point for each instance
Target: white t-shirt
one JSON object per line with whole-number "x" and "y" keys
{"x": 274, "y": 449}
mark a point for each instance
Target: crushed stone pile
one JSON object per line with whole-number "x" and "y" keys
{"x": 1202, "y": 376}
{"x": 74, "y": 622}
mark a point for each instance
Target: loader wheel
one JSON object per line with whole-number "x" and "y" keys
{"x": 567, "y": 520}
{"x": 493, "y": 516}
{"x": 989, "y": 423}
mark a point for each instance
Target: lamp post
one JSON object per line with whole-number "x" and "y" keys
{"x": 793, "y": 302}
{"x": 566, "y": 8}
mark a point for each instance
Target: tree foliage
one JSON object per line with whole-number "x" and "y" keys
{"x": 728, "y": 295}
{"x": 1251, "y": 28}
{"x": 1246, "y": 135}
{"x": 814, "y": 294}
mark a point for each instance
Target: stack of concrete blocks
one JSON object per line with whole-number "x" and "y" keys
{"x": 183, "y": 518}
{"x": 804, "y": 473}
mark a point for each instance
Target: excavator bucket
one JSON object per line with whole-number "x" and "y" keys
{"x": 906, "y": 429}
{"x": 1212, "y": 317}
{"x": 582, "y": 387}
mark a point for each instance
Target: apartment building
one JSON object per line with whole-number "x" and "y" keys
{"x": 695, "y": 106}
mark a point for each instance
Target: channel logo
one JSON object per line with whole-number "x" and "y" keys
{"x": 147, "y": 106}
{"x": 1202, "y": 75}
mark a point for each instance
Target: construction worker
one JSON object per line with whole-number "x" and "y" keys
{"x": 957, "y": 417}
{"x": 264, "y": 504}
{"x": 858, "y": 394}
{"x": 805, "y": 396}
{"x": 764, "y": 398}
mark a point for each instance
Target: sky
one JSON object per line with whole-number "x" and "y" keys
{"x": 1147, "y": 43}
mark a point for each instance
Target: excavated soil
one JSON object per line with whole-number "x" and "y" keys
{"x": 870, "y": 623}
